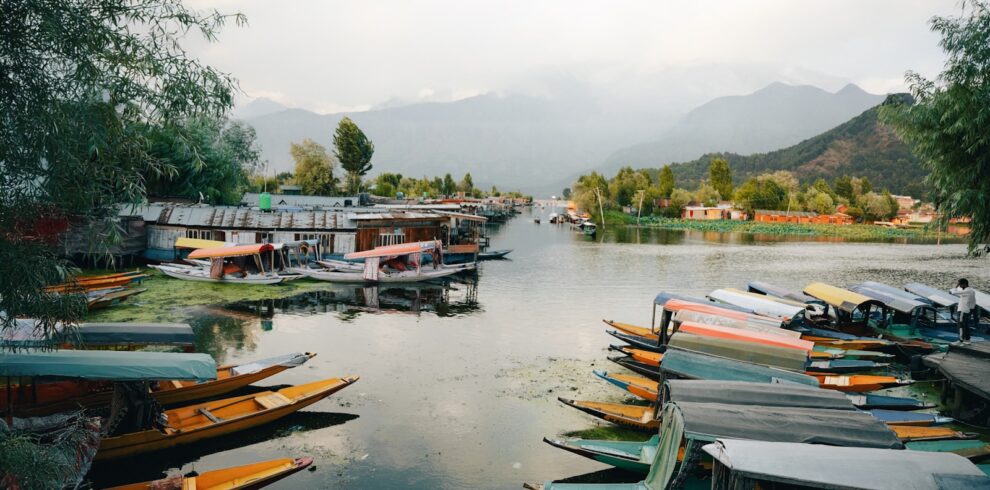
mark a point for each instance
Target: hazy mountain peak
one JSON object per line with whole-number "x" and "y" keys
{"x": 260, "y": 106}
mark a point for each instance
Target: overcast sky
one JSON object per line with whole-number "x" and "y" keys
{"x": 330, "y": 56}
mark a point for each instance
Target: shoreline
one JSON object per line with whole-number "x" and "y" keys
{"x": 852, "y": 232}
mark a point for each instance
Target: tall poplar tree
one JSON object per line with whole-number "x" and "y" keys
{"x": 354, "y": 151}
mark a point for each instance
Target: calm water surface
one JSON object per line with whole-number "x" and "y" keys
{"x": 459, "y": 381}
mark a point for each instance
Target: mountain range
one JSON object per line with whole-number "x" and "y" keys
{"x": 860, "y": 147}
{"x": 540, "y": 144}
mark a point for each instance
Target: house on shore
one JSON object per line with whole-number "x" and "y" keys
{"x": 803, "y": 217}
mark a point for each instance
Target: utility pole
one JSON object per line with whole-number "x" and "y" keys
{"x": 601, "y": 208}
{"x": 639, "y": 210}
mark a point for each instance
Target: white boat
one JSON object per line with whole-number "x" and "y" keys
{"x": 372, "y": 273}
{"x": 383, "y": 277}
{"x": 190, "y": 273}
{"x": 220, "y": 272}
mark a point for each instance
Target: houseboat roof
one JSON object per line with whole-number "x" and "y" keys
{"x": 395, "y": 216}
{"x": 232, "y": 217}
{"x": 253, "y": 199}
{"x": 235, "y": 251}
{"x": 395, "y": 250}
{"x": 110, "y": 365}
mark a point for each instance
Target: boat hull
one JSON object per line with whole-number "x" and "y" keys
{"x": 184, "y": 274}
{"x": 154, "y": 440}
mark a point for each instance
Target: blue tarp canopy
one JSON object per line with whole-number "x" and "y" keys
{"x": 110, "y": 365}
{"x": 695, "y": 365}
{"x": 24, "y": 334}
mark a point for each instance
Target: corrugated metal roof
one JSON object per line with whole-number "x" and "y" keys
{"x": 253, "y": 199}
{"x": 397, "y": 215}
{"x": 229, "y": 217}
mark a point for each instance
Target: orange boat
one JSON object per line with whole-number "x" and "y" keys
{"x": 908, "y": 433}
{"x": 640, "y": 417}
{"x": 643, "y": 356}
{"x": 633, "y": 330}
{"x": 721, "y": 332}
{"x": 249, "y": 476}
{"x": 49, "y": 398}
{"x": 858, "y": 383}
{"x": 89, "y": 283}
{"x": 203, "y": 421}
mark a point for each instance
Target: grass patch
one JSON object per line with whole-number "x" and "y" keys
{"x": 851, "y": 232}
{"x": 610, "y": 433}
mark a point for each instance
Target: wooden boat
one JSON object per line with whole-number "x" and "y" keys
{"x": 639, "y": 417}
{"x": 494, "y": 254}
{"x": 631, "y": 329}
{"x": 98, "y": 300}
{"x": 785, "y": 310}
{"x": 371, "y": 273}
{"x": 220, "y": 271}
{"x": 858, "y": 383}
{"x": 217, "y": 418}
{"x": 59, "y": 396}
{"x": 384, "y": 277}
{"x": 643, "y": 356}
{"x": 909, "y": 433}
{"x": 246, "y": 477}
{"x": 91, "y": 283}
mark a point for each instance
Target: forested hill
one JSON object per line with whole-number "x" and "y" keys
{"x": 860, "y": 147}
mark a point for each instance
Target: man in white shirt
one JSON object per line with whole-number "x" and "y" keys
{"x": 967, "y": 303}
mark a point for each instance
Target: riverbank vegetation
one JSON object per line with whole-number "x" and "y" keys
{"x": 642, "y": 195}
{"x": 851, "y": 232}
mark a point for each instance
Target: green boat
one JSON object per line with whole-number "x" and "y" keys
{"x": 690, "y": 425}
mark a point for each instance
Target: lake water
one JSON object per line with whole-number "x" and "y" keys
{"x": 459, "y": 382}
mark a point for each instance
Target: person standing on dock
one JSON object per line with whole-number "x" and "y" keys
{"x": 967, "y": 302}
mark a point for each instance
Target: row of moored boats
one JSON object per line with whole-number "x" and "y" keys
{"x": 770, "y": 388}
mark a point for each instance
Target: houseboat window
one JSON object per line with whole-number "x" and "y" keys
{"x": 264, "y": 237}
{"x": 326, "y": 240}
{"x": 390, "y": 236}
{"x": 202, "y": 234}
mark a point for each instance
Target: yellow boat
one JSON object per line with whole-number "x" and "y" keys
{"x": 249, "y": 476}
{"x": 633, "y": 330}
{"x": 640, "y": 417}
{"x": 202, "y": 421}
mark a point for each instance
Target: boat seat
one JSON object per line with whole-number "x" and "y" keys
{"x": 206, "y": 413}
{"x": 176, "y": 384}
{"x": 273, "y": 400}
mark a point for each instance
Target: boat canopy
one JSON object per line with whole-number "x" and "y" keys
{"x": 982, "y": 300}
{"x": 233, "y": 251}
{"x": 197, "y": 243}
{"x": 779, "y": 292}
{"x": 692, "y": 425}
{"x": 936, "y": 296}
{"x": 899, "y": 303}
{"x": 892, "y": 291}
{"x": 759, "y": 303}
{"x": 708, "y": 421}
{"x": 664, "y": 296}
{"x": 750, "y": 393}
{"x": 395, "y": 250}
{"x": 819, "y": 466}
{"x": 745, "y": 335}
{"x": 708, "y": 313}
{"x": 110, "y": 365}
{"x": 696, "y": 365}
{"x": 742, "y": 350}
{"x": 24, "y": 335}
{"x": 842, "y": 299}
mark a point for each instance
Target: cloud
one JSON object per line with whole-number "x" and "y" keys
{"x": 360, "y": 54}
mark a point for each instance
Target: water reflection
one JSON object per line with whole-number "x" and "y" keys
{"x": 119, "y": 472}
{"x": 443, "y": 299}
